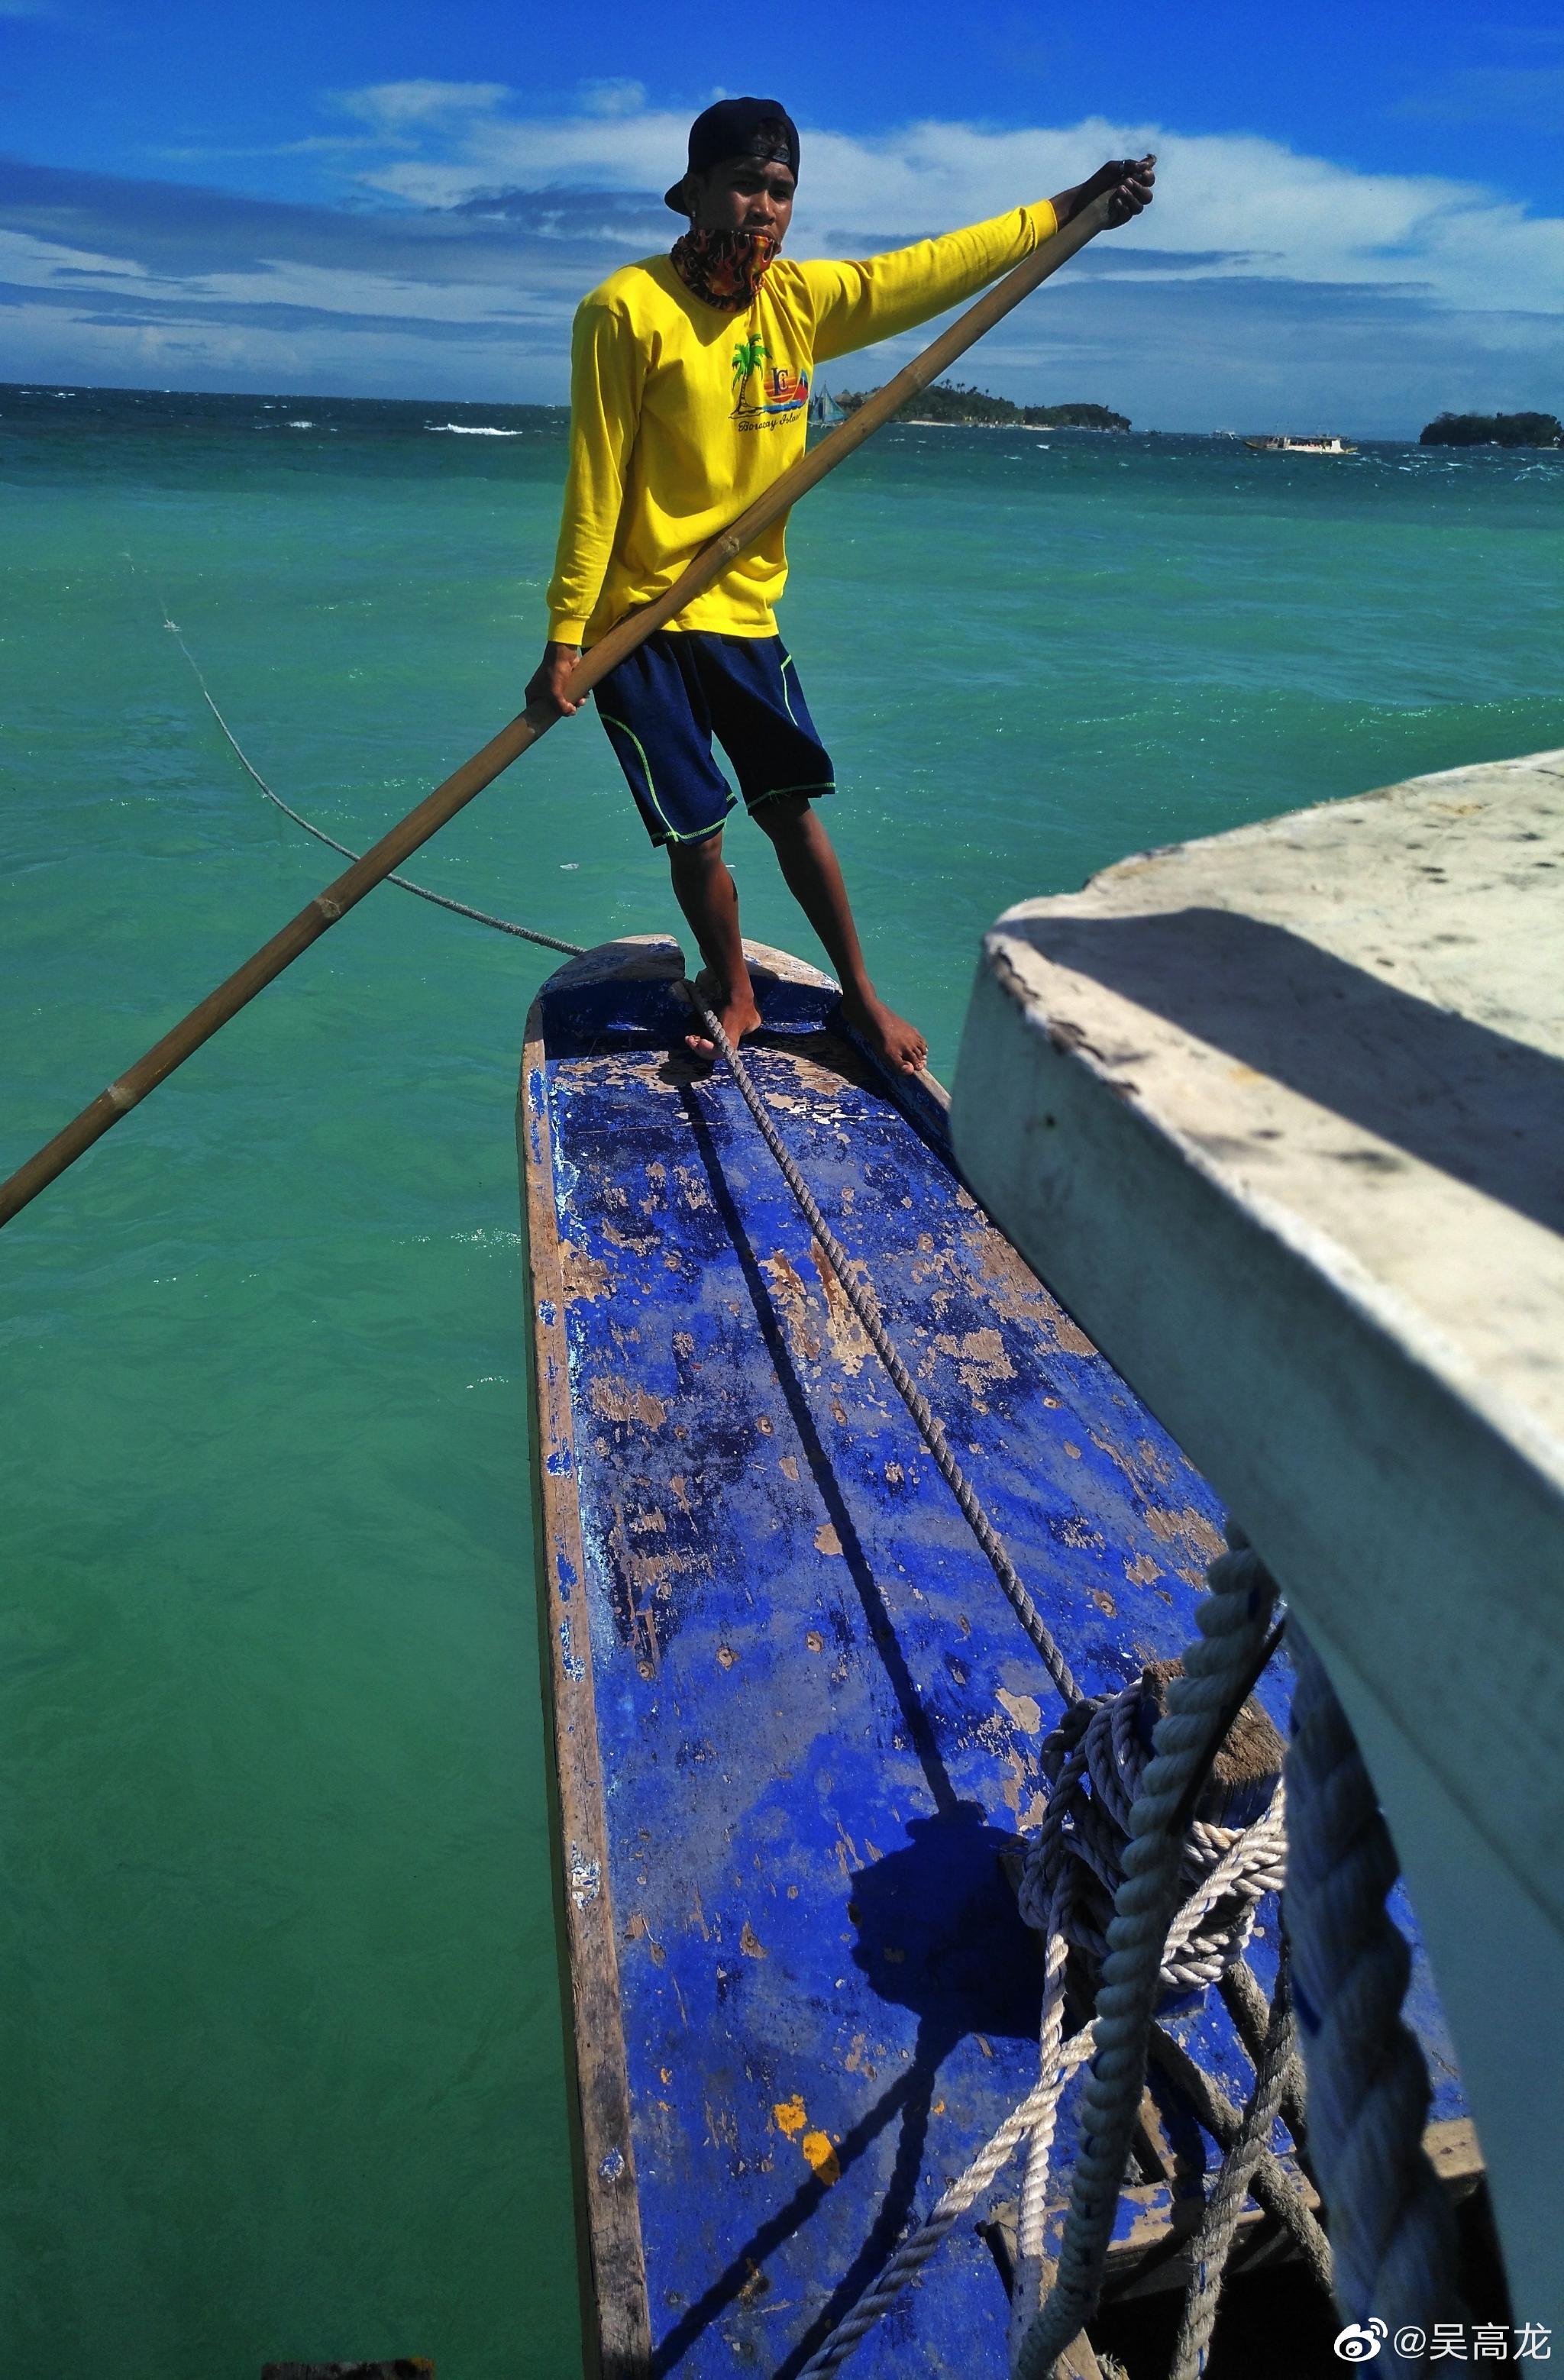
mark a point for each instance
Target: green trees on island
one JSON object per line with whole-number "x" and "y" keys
{"x": 949, "y": 401}
{"x": 1494, "y": 430}
{"x": 1072, "y": 417}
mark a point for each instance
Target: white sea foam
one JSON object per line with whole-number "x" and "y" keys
{"x": 471, "y": 430}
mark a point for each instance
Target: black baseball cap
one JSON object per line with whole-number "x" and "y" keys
{"x": 728, "y": 129}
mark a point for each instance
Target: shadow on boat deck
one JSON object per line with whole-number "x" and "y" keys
{"x": 937, "y": 1928}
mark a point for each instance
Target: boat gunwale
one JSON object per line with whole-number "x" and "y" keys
{"x": 616, "y": 2318}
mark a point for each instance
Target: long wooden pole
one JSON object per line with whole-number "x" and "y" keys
{"x": 469, "y": 780}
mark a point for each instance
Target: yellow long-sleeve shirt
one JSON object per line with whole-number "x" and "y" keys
{"x": 681, "y": 416}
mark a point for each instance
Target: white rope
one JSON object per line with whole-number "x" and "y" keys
{"x": 929, "y": 1427}
{"x": 1202, "y": 1703}
{"x": 1036, "y": 2110}
{"x": 1026, "y": 2287}
{"x": 1035, "y": 2116}
{"x": 1075, "y": 1861}
{"x": 1212, "y": 2244}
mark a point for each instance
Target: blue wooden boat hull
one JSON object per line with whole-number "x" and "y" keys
{"x": 795, "y": 1723}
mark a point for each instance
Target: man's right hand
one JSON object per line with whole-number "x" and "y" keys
{"x": 547, "y": 681}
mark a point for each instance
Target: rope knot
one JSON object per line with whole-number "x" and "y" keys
{"x": 1232, "y": 1853}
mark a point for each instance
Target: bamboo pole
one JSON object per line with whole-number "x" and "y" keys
{"x": 469, "y": 780}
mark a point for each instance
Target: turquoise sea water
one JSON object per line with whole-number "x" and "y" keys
{"x": 282, "y": 2071}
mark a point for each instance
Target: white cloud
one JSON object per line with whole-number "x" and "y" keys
{"x": 271, "y": 286}
{"x": 29, "y": 263}
{"x": 613, "y": 95}
{"x": 627, "y": 153}
{"x": 97, "y": 351}
{"x": 318, "y": 144}
{"x": 1261, "y": 205}
{"x": 398, "y": 106}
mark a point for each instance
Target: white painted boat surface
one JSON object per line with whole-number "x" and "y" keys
{"x": 1280, "y": 1116}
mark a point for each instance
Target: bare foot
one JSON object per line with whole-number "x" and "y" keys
{"x": 738, "y": 1015}
{"x": 897, "y": 1045}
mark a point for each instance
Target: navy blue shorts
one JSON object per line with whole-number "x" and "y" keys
{"x": 666, "y": 701}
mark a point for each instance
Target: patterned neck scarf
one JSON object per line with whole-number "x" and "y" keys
{"x": 724, "y": 268}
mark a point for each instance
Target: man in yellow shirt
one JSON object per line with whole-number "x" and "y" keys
{"x": 689, "y": 395}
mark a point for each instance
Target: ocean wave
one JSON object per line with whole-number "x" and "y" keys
{"x": 471, "y": 430}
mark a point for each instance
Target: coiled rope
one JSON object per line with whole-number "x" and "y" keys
{"x": 1073, "y": 1862}
{"x": 1034, "y": 2116}
{"x": 1095, "y": 1762}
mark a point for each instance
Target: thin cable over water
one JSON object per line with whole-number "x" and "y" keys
{"x": 441, "y": 900}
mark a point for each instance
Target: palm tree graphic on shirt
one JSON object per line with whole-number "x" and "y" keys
{"x": 748, "y": 357}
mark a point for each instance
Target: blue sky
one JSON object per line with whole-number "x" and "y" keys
{"x": 1360, "y": 217}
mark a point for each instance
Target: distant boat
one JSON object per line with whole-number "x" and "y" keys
{"x": 1299, "y": 447}
{"x": 824, "y": 410}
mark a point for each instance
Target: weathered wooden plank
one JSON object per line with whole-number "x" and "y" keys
{"x": 1140, "y": 2263}
{"x": 615, "y": 2326}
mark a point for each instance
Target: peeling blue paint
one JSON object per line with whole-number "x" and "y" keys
{"x": 798, "y": 1653}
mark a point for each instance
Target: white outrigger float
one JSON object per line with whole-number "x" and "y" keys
{"x": 1281, "y": 1115}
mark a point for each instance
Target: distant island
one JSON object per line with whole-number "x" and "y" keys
{"x": 947, "y": 402}
{"x": 1494, "y": 430}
